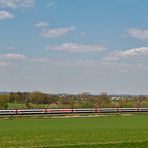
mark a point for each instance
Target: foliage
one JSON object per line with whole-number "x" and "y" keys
{"x": 3, "y": 101}
{"x": 24, "y": 100}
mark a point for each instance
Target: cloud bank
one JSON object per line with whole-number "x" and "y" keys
{"x": 141, "y": 34}
{"x": 6, "y": 15}
{"x": 57, "y": 32}
{"x": 16, "y": 3}
{"x": 76, "y": 47}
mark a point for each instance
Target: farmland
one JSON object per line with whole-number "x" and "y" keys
{"x": 105, "y": 131}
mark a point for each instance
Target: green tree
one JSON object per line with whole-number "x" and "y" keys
{"x": 3, "y": 101}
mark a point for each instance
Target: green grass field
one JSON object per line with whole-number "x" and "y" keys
{"x": 93, "y": 132}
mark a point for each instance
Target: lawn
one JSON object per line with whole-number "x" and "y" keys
{"x": 93, "y": 132}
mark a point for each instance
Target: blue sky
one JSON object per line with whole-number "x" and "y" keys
{"x": 74, "y": 46}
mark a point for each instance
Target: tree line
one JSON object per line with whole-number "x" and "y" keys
{"x": 84, "y": 100}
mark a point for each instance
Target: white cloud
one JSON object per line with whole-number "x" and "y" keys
{"x": 12, "y": 56}
{"x": 134, "y": 52}
{"x": 42, "y": 24}
{"x": 77, "y": 47}
{"x": 6, "y": 15}
{"x": 130, "y": 53}
{"x": 57, "y": 32}
{"x": 27, "y": 3}
{"x": 138, "y": 33}
{"x": 98, "y": 64}
{"x": 110, "y": 58}
{"x": 4, "y": 63}
{"x": 41, "y": 60}
{"x": 16, "y": 3}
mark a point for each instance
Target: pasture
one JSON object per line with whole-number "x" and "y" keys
{"x": 83, "y": 132}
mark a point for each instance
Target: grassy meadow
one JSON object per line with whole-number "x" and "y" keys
{"x": 83, "y": 132}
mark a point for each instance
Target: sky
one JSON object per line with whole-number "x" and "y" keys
{"x": 74, "y": 46}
